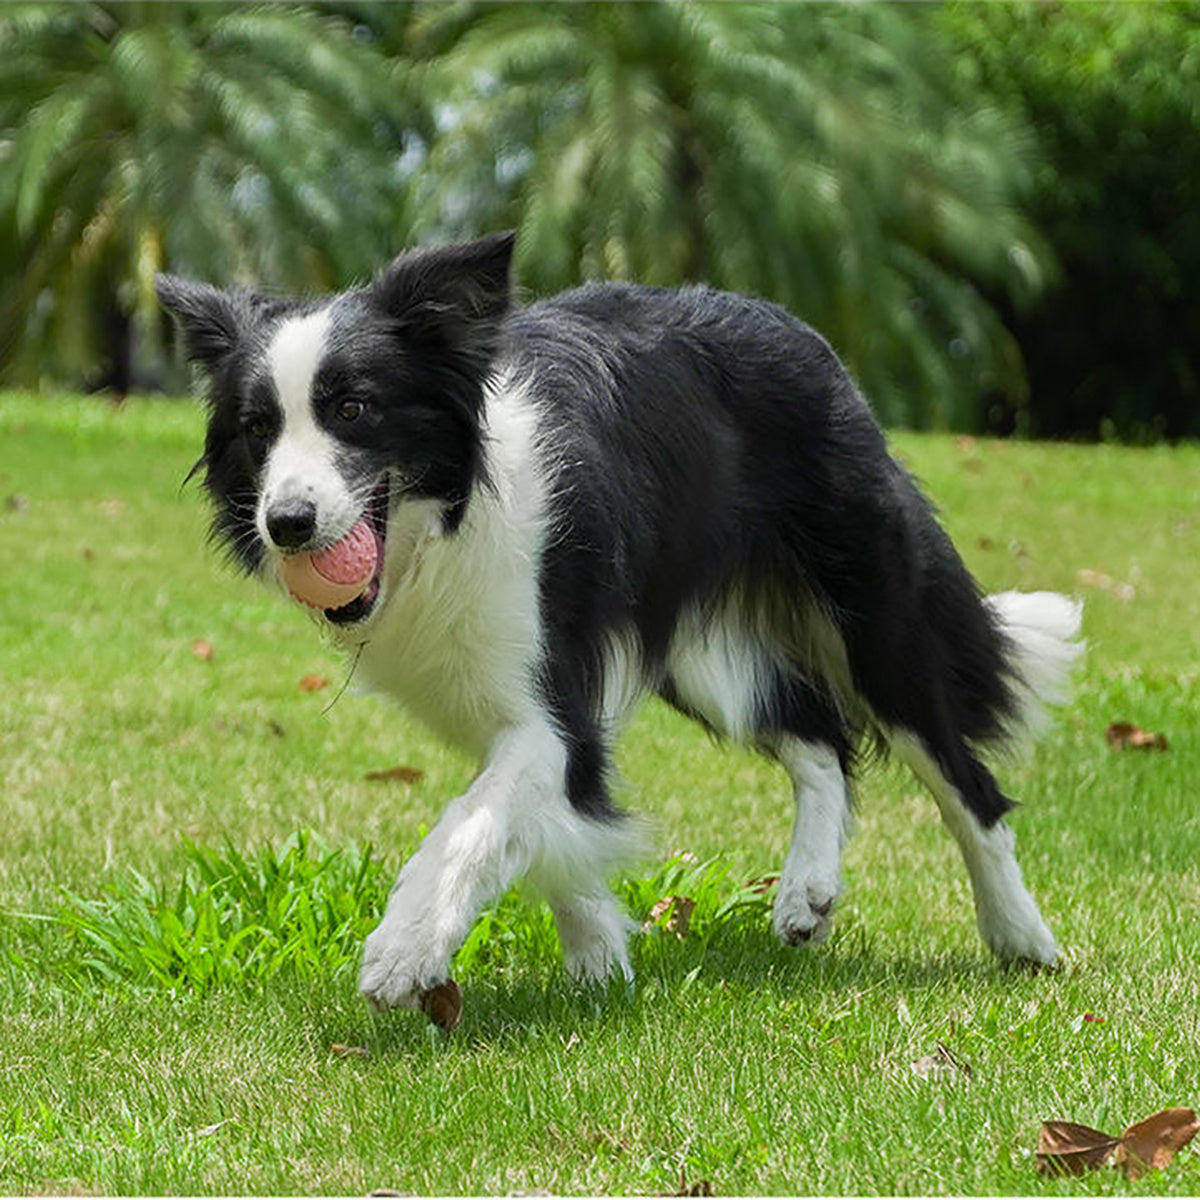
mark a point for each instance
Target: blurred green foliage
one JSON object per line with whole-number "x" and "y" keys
{"x": 987, "y": 209}
{"x": 1112, "y": 92}
{"x": 248, "y": 144}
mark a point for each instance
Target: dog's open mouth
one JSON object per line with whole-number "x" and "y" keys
{"x": 361, "y": 606}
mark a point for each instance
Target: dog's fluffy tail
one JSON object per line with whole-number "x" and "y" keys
{"x": 1042, "y": 630}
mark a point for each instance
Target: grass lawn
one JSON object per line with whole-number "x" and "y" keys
{"x": 172, "y": 979}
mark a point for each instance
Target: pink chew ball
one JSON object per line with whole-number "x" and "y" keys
{"x": 333, "y": 577}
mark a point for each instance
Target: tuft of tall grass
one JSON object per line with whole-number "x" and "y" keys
{"x": 238, "y": 920}
{"x": 229, "y": 919}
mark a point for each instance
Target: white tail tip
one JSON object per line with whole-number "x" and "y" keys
{"x": 1043, "y": 628}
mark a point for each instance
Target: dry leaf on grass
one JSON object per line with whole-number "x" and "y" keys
{"x": 1122, "y": 735}
{"x": 397, "y": 774}
{"x": 312, "y": 683}
{"x": 443, "y": 1005}
{"x": 1065, "y": 1148}
{"x": 941, "y": 1064}
{"x": 338, "y": 1050}
{"x": 762, "y": 885}
{"x": 1152, "y": 1143}
{"x": 1105, "y": 583}
{"x": 677, "y": 910}
{"x": 202, "y": 649}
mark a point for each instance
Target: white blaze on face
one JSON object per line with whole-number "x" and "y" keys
{"x": 302, "y": 464}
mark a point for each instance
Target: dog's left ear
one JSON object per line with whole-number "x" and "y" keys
{"x": 450, "y": 295}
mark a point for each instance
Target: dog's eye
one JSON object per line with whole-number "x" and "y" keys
{"x": 258, "y": 428}
{"x": 350, "y": 410}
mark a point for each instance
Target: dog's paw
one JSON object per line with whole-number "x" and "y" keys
{"x": 597, "y": 961}
{"x": 397, "y": 970}
{"x": 1016, "y": 932}
{"x": 594, "y": 935}
{"x": 804, "y": 910}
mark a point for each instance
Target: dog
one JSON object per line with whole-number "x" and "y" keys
{"x": 616, "y": 491}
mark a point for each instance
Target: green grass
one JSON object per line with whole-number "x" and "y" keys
{"x": 186, "y": 871}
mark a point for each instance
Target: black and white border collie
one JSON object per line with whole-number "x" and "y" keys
{"x": 615, "y": 491}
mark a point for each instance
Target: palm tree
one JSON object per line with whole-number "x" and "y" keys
{"x": 241, "y": 144}
{"x": 809, "y": 153}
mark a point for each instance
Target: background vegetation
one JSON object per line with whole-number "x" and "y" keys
{"x": 988, "y": 209}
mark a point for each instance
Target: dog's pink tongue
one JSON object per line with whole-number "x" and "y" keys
{"x": 336, "y": 575}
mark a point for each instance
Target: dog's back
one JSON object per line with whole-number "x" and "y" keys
{"x": 715, "y": 466}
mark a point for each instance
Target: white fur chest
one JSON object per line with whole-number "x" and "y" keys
{"x": 457, "y": 640}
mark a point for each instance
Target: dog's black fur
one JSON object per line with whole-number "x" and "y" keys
{"x": 703, "y": 444}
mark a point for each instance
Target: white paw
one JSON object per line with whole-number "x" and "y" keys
{"x": 597, "y": 961}
{"x": 1015, "y": 932}
{"x": 398, "y": 967}
{"x": 594, "y": 933}
{"x": 804, "y": 909}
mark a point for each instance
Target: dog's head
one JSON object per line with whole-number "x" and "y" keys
{"x": 325, "y": 412}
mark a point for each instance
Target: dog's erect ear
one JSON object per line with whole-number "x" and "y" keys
{"x": 209, "y": 319}
{"x": 453, "y": 295}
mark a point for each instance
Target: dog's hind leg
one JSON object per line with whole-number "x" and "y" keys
{"x": 1007, "y": 915}
{"x": 811, "y": 878}
{"x": 726, "y": 676}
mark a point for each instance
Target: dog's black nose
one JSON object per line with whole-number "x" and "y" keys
{"x": 291, "y": 523}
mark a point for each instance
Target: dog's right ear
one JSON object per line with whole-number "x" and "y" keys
{"x": 209, "y": 319}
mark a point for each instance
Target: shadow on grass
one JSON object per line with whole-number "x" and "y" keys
{"x": 515, "y": 1006}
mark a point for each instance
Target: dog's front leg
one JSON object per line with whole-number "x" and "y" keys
{"x": 486, "y": 838}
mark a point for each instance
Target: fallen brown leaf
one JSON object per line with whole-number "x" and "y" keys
{"x": 762, "y": 885}
{"x": 202, "y": 650}
{"x": 1065, "y": 1148}
{"x": 1123, "y": 735}
{"x": 941, "y": 1064}
{"x": 338, "y": 1050}
{"x": 400, "y": 774}
{"x": 312, "y": 683}
{"x": 677, "y": 910}
{"x": 1151, "y": 1144}
{"x": 443, "y": 1005}
{"x": 1105, "y": 583}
